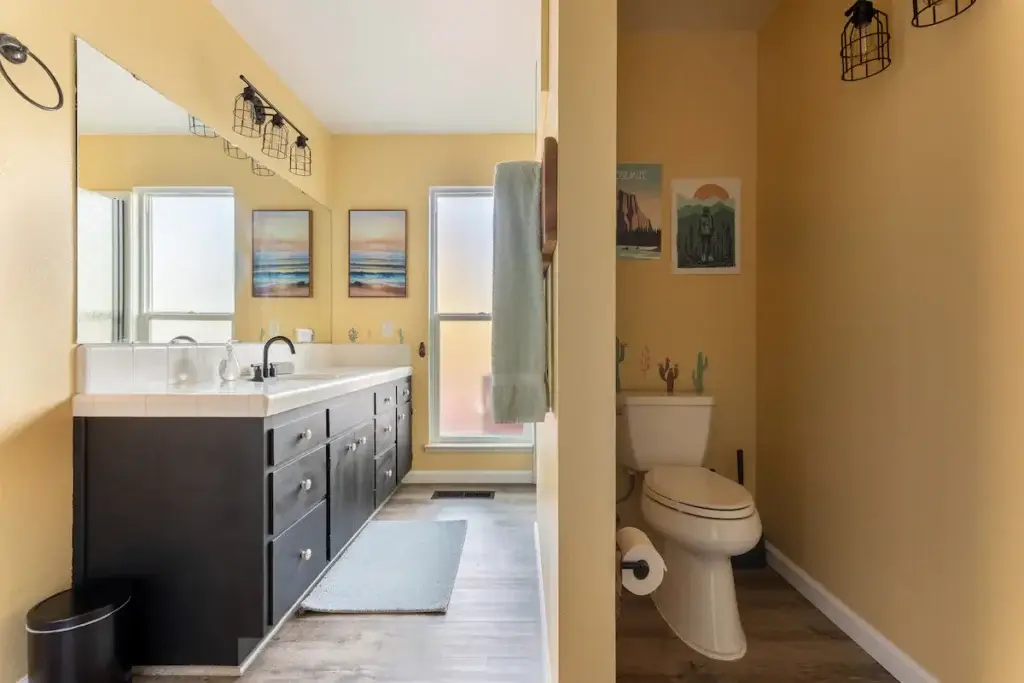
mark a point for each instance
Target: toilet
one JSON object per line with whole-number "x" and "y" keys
{"x": 699, "y": 518}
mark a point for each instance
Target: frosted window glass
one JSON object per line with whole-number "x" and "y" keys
{"x": 465, "y": 247}
{"x": 203, "y": 331}
{"x": 192, "y": 253}
{"x": 95, "y": 267}
{"x": 465, "y": 381}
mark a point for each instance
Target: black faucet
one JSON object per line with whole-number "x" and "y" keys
{"x": 267, "y": 370}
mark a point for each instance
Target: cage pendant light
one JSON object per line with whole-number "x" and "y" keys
{"x": 932, "y": 12}
{"x": 275, "y": 138}
{"x": 261, "y": 170}
{"x": 234, "y": 151}
{"x": 301, "y": 161}
{"x": 197, "y": 127}
{"x": 250, "y": 114}
{"x": 866, "y": 42}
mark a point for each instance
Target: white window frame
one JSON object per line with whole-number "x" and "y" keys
{"x": 476, "y": 442}
{"x": 139, "y": 245}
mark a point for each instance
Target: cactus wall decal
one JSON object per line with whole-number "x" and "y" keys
{"x": 353, "y": 335}
{"x": 669, "y": 372}
{"x": 697, "y": 376}
{"x": 401, "y": 336}
{"x": 645, "y": 361}
{"x": 620, "y": 355}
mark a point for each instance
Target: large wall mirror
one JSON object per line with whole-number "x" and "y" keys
{"x": 181, "y": 234}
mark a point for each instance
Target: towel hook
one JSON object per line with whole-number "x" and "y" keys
{"x": 15, "y": 52}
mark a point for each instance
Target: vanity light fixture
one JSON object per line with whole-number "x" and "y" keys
{"x": 866, "y": 42}
{"x": 301, "y": 161}
{"x": 932, "y": 12}
{"x": 261, "y": 170}
{"x": 197, "y": 127}
{"x": 256, "y": 116}
{"x": 275, "y": 138}
{"x": 234, "y": 151}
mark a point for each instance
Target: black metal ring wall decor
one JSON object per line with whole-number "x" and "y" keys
{"x": 865, "y": 42}
{"x": 926, "y": 12}
{"x": 15, "y": 52}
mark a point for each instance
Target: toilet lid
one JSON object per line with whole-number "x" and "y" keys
{"x": 699, "y": 491}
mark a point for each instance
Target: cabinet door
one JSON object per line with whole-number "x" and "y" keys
{"x": 346, "y": 500}
{"x": 366, "y": 477}
{"x": 404, "y": 455}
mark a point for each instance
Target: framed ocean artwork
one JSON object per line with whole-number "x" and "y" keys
{"x": 282, "y": 242}
{"x": 377, "y": 253}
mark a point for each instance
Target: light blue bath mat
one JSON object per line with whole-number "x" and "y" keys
{"x": 403, "y": 567}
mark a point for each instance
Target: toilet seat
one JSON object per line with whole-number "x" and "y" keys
{"x": 698, "y": 492}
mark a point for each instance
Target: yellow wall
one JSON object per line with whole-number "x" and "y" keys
{"x": 396, "y": 172}
{"x": 890, "y": 328}
{"x": 186, "y": 51}
{"x": 576, "y": 445}
{"x": 121, "y": 162}
{"x": 702, "y": 125}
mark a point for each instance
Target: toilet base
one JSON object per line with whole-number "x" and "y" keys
{"x": 697, "y": 599}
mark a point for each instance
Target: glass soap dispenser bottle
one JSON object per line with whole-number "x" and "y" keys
{"x": 230, "y": 369}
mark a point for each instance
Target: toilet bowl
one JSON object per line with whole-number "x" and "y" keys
{"x": 700, "y": 519}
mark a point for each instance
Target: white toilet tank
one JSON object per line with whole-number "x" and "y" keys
{"x": 658, "y": 429}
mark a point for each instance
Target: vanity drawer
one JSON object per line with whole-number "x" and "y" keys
{"x": 297, "y": 487}
{"x": 296, "y": 558}
{"x": 387, "y": 477}
{"x": 349, "y": 411}
{"x": 386, "y": 397}
{"x": 385, "y": 431}
{"x": 404, "y": 390}
{"x": 297, "y": 437}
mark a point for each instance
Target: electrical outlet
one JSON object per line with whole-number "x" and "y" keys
{"x": 387, "y": 330}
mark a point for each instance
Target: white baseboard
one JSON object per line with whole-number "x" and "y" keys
{"x": 469, "y": 477}
{"x": 545, "y": 651}
{"x": 882, "y": 650}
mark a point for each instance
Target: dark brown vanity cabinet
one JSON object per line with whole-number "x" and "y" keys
{"x": 223, "y": 524}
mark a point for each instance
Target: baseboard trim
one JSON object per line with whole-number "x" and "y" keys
{"x": 469, "y": 477}
{"x": 545, "y": 650}
{"x": 881, "y": 649}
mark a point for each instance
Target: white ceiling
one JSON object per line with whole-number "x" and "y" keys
{"x": 401, "y": 66}
{"x": 111, "y": 101}
{"x": 682, "y": 15}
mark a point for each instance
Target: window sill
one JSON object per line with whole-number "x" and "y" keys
{"x": 478, "y": 446}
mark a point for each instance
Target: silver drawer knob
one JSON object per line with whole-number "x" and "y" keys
{"x": 362, "y": 441}
{"x": 353, "y": 446}
{"x": 306, "y": 484}
{"x": 405, "y": 392}
{"x": 387, "y": 399}
{"x": 401, "y": 417}
{"x": 389, "y": 428}
{"x": 308, "y": 434}
{"x": 306, "y": 554}
{"x": 389, "y": 473}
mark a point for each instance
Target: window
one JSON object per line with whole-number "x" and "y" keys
{"x": 100, "y": 243}
{"x": 186, "y": 257}
{"x": 461, "y": 251}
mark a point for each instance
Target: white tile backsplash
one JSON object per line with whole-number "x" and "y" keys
{"x": 110, "y": 368}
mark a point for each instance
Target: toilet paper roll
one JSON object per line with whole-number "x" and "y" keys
{"x": 635, "y": 546}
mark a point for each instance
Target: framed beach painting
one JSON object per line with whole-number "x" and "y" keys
{"x": 376, "y": 253}
{"x": 282, "y": 244}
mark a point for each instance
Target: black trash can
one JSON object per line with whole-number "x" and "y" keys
{"x": 81, "y": 635}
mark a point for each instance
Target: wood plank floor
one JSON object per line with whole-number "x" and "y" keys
{"x": 491, "y": 633}
{"x": 788, "y": 641}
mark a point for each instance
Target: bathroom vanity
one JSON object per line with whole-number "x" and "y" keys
{"x": 224, "y": 507}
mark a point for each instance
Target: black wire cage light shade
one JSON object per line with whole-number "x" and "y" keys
{"x": 261, "y": 170}
{"x": 250, "y": 113}
{"x": 234, "y": 151}
{"x": 866, "y": 42}
{"x": 301, "y": 159}
{"x": 275, "y": 138}
{"x": 197, "y": 127}
{"x": 932, "y": 12}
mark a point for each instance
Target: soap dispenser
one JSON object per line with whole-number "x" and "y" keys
{"x": 230, "y": 369}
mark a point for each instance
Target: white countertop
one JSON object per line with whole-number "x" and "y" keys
{"x": 242, "y": 398}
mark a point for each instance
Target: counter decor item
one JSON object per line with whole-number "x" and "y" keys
{"x": 353, "y": 335}
{"x": 230, "y": 369}
{"x": 697, "y": 376}
{"x": 669, "y": 372}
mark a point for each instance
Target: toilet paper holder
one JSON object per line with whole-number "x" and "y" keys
{"x": 640, "y": 568}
